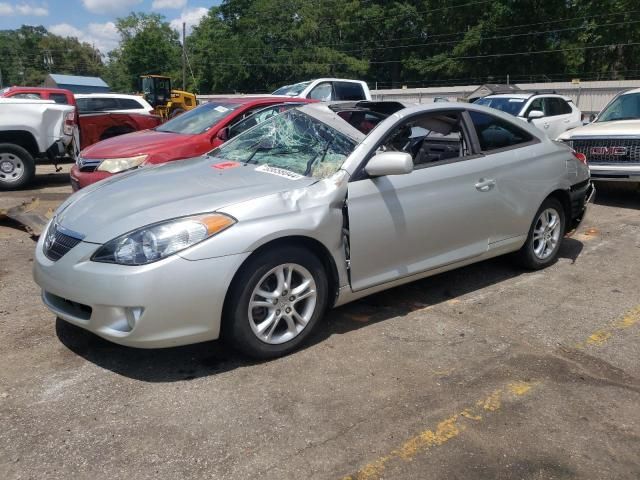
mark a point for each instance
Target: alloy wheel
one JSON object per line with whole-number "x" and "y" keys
{"x": 282, "y": 303}
{"x": 546, "y": 233}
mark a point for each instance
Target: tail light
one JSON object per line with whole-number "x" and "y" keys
{"x": 582, "y": 158}
{"x": 69, "y": 122}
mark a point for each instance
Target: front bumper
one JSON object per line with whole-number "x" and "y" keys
{"x": 615, "y": 173}
{"x": 81, "y": 179}
{"x": 167, "y": 303}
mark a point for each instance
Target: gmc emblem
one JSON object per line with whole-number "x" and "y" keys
{"x": 617, "y": 151}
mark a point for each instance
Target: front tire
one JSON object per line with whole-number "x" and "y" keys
{"x": 17, "y": 167}
{"x": 275, "y": 301}
{"x": 545, "y": 236}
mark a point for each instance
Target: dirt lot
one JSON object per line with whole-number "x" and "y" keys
{"x": 487, "y": 372}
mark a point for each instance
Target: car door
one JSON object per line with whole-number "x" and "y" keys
{"x": 539, "y": 104}
{"x": 436, "y": 215}
{"x": 512, "y": 158}
{"x": 564, "y": 117}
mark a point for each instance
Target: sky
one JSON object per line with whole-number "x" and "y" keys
{"x": 93, "y": 21}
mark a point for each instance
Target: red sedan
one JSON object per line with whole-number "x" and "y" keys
{"x": 191, "y": 134}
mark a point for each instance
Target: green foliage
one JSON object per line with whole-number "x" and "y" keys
{"x": 29, "y": 53}
{"x": 148, "y": 46}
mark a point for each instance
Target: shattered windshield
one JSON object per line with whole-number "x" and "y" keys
{"x": 200, "y": 119}
{"x": 625, "y": 107}
{"x": 292, "y": 141}
{"x": 292, "y": 90}
{"x": 511, "y": 105}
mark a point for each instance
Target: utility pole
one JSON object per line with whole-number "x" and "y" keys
{"x": 184, "y": 57}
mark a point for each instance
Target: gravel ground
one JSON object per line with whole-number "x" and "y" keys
{"x": 487, "y": 372}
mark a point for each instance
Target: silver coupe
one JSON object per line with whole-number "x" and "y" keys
{"x": 314, "y": 208}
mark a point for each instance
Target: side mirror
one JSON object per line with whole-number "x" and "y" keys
{"x": 389, "y": 163}
{"x": 592, "y": 117}
{"x": 533, "y": 114}
{"x": 223, "y": 134}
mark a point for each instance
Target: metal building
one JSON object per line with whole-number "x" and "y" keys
{"x": 76, "y": 83}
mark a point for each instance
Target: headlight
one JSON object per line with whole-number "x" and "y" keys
{"x": 155, "y": 242}
{"x": 115, "y": 165}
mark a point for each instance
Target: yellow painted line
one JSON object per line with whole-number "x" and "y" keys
{"x": 453, "y": 426}
{"x": 445, "y": 430}
{"x": 602, "y": 335}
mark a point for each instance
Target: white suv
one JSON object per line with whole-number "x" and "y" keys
{"x": 551, "y": 113}
{"x": 327, "y": 90}
{"x": 112, "y": 102}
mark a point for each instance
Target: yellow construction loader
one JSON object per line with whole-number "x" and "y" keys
{"x": 167, "y": 102}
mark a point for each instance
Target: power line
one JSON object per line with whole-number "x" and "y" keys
{"x": 465, "y": 57}
{"x": 459, "y": 33}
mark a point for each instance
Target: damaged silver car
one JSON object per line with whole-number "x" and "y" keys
{"x": 253, "y": 242}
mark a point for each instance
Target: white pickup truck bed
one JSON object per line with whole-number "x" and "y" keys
{"x": 31, "y": 130}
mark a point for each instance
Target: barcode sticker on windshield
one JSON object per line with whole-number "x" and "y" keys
{"x": 517, "y": 100}
{"x": 221, "y": 109}
{"x": 281, "y": 172}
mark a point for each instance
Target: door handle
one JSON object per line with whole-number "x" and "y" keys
{"x": 485, "y": 184}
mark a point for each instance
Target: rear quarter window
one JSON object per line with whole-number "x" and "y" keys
{"x": 348, "y": 91}
{"x": 558, "y": 106}
{"x": 59, "y": 98}
{"x": 129, "y": 104}
{"x": 29, "y": 95}
{"x": 495, "y": 133}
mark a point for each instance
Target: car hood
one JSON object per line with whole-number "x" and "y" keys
{"x": 131, "y": 200}
{"x": 135, "y": 143}
{"x": 604, "y": 129}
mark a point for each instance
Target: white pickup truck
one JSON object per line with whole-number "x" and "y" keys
{"x": 611, "y": 142}
{"x": 30, "y": 131}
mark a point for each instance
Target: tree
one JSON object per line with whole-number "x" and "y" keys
{"x": 29, "y": 53}
{"x": 148, "y": 46}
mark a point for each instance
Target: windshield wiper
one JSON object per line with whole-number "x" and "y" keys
{"x": 312, "y": 161}
{"x": 279, "y": 150}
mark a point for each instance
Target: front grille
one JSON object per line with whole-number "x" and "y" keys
{"x": 57, "y": 244}
{"x": 69, "y": 307}
{"x": 609, "y": 150}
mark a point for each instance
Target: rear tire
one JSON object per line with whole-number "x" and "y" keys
{"x": 545, "y": 236}
{"x": 275, "y": 301}
{"x": 17, "y": 167}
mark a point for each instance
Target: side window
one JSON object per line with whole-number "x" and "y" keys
{"x": 82, "y": 104}
{"x": 558, "y": 106}
{"x": 31, "y": 96}
{"x": 536, "y": 104}
{"x": 348, "y": 91}
{"x": 128, "y": 104}
{"x": 566, "y": 107}
{"x": 59, "y": 98}
{"x": 429, "y": 138}
{"x": 254, "y": 119}
{"x": 494, "y": 133}
{"x": 111, "y": 104}
{"x": 322, "y": 92}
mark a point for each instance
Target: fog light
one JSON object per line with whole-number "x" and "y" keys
{"x": 133, "y": 315}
